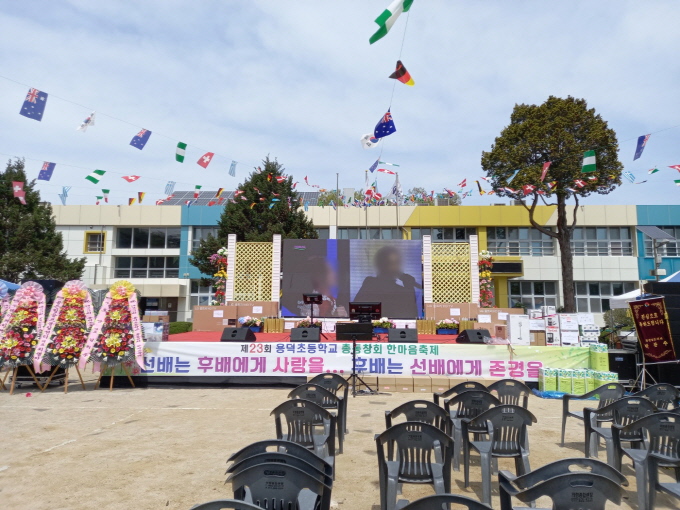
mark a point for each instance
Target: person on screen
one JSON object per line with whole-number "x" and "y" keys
{"x": 323, "y": 280}
{"x": 392, "y": 287}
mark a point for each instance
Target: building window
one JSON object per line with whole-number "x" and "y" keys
{"x": 519, "y": 241}
{"x": 672, "y": 249}
{"x": 594, "y": 296}
{"x": 95, "y": 242}
{"x": 532, "y": 295}
{"x": 147, "y": 267}
{"x": 602, "y": 242}
{"x": 323, "y": 232}
{"x": 148, "y": 237}
{"x": 370, "y": 233}
{"x": 201, "y": 234}
{"x": 444, "y": 234}
{"x": 201, "y": 295}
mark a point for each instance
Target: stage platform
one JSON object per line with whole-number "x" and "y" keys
{"x": 214, "y": 336}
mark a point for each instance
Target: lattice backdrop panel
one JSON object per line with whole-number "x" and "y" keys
{"x": 253, "y": 272}
{"x": 451, "y": 279}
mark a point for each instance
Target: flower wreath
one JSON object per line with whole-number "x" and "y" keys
{"x": 21, "y": 325}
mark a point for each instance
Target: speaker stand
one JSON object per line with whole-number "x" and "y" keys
{"x": 355, "y": 379}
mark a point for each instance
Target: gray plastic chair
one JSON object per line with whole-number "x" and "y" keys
{"x": 663, "y": 396}
{"x": 466, "y": 406}
{"x": 276, "y": 486}
{"x": 279, "y": 446}
{"x": 300, "y": 418}
{"x": 442, "y": 501}
{"x": 661, "y": 432}
{"x": 573, "y": 491}
{"x": 337, "y": 385}
{"x": 458, "y": 388}
{"x": 222, "y": 504}
{"x": 624, "y": 411}
{"x": 326, "y": 399}
{"x": 608, "y": 393}
{"x": 423, "y": 411}
{"x": 511, "y": 392}
{"x": 412, "y": 452}
{"x": 672, "y": 489}
{"x": 507, "y": 426}
{"x": 510, "y": 484}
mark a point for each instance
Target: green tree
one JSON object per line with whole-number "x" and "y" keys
{"x": 326, "y": 197}
{"x": 253, "y": 220}
{"x": 30, "y": 246}
{"x": 559, "y": 131}
{"x": 419, "y": 193}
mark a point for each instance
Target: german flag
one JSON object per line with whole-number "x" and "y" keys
{"x": 141, "y": 196}
{"x": 402, "y": 74}
{"x": 131, "y": 201}
{"x": 219, "y": 193}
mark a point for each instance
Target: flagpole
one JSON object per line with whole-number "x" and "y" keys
{"x": 366, "y": 206}
{"x": 337, "y": 206}
{"x": 397, "y": 197}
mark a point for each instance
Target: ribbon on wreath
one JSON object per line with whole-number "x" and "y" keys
{"x": 95, "y": 331}
{"x": 44, "y": 338}
{"x": 137, "y": 330}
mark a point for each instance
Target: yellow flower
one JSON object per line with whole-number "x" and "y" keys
{"x": 122, "y": 289}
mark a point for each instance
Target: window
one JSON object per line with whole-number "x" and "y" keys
{"x": 95, "y": 242}
{"x": 519, "y": 241}
{"x": 594, "y": 296}
{"x": 672, "y": 249}
{"x": 370, "y": 233}
{"x": 148, "y": 237}
{"x": 602, "y": 242}
{"x": 147, "y": 267}
{"x": 201, "y": 295}
{"x": 200, "y": 234}
{"x": 323, "y": 232}
{"x": 533, "y": 295}
{"x": 444, "y": 234}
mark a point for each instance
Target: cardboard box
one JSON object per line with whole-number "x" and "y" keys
{"x": 547, "y": 379}
{"x": 568, "y": 321}
{"x": 537, "y": 338}
{"x": 214, "y": 318}
{"x": 156, "y": 331}
{"x": 536, "y": 324}
{"x": 552, "y": 322}
{"x": 422, "y": 384}
{"x": 552, "y": 336}
{"x": 518, "y": 330}
{"x": 404, "y": 384}
{"x": 155, "y": 318}
{"x": 257, "y": 308}
{"x": 387, "y": 383}
{"x": 569, "y": 338}
{"x": 440, "y": 384}
{"x": 439, "y": 311}
{"x": 500, "y": 332}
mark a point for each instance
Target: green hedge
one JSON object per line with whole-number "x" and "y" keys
{"x": 180, "y": 327}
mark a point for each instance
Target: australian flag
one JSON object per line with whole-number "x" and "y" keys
{"x": 46, "y": 171}
{"x": 641, "y": 143}
{"x": 140, "y": 139}
{"x": 34, "y": 104}
{"x": 385, "y": 127}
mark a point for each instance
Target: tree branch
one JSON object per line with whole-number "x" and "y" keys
{"x": 573, "y": 222}
{"x": 533, "y": 222}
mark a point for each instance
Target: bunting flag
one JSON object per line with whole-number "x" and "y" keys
{"x": 652, "y": 171}
{"x": 580, "y": 183}
{"x": 487, "y": 179}
{"x": 205, "y": 160}
{"x": 180, "y": 152}
{"x": 389, "y": 17}
{"x": 510, "y": 190}
{"x": 641, "y": 143}
{"x": 295, "y": 185}
{"x": 139, "y": 140}
{"x": 369, "y": 141}
{"x": 589, "y": 162}
{"x": 385, "y": 126}
{"x": 159, "y": 201}
{"x": 675, "y": 167}
{"x": 677, "y": 182}
{"x": 552, "y": 185}
{"x": 253, "y": 205}
{"x": 99, "y": 198}
{"x": 197, "y": 191}
{"x": 34, "y": 104}
{"x": 641, "y": 182}
{"x": 211, "y": 203}
{"x": 219, "y": 192}
{"x": 221, "y": 199}
{"x": 592, "y": 178}
{"x": 189, "y": 202}
{"x": 374, "y": 166}
{"x": 62, "y": 198}
{"x": 280, "y": 179}
{"x": 238, "y": 192}
{"x": 544, "y": 172}
{"x": 628, "y": 175}
{"x": 450, "y": 192}
{"x": 512, "y": 178}
{"x": 386, "y": 163}
{"x": 130, "y": 178}
{"x": 105, "y": 193}
{"x": 481, "y": 191}
{"x": 402, "y": 75}
{"x": 276, "y": 199}
{"x": 141, "y": 195}
{"x": 269, "y": 177}
{"x": 386, "y": 171}
{"x": 95, "y": 177}
{"x": 271, "y": 205}
{"x": 232, "y": 169}
{"x": 528, "y": 188}
{"x": 46, "y": 171}
{"x": 131, "y": 201}
{"x": 170, "y": 188}
{"x": 18, "y": 189}
{"x": 89, "y": 121}
{"x": 243, "y": 197}
{"x": 65, "y": 190}
{"x": 462, "y": 183}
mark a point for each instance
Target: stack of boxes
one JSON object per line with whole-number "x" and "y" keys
{"x": 569, "y": 333}
{"x": 579, "y": 381}
{"x": 156, "y": 326}
{"x": 589, "y": 334}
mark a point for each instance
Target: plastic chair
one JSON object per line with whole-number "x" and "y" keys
{"x": 511, "y": 392}
{"x": 416, "y": 453}
{"x": 440, "y": 501}
{"x": 662, "y": 434}
{"x": 510, "y": 484}
{"x": 672, "y": 489}
{"x": 222, "y": 504}
{"x": 608, "y": 393}
{"x": 278, "y": 486}
{"x": 661, "y": 395}
{"x": 279, "y": 446}
{"x": 507, "y": 426}
{"x": 458, "y": 388}
{"x": 301, "y": 418}
{"x": 326, "y": 399}
{"x": 422, "y": 411}
{"x": 624, "y": 411}
{"x": 337, "y": 385}
{"x": 466, "y": 406}
{"x": 582, "y": 491}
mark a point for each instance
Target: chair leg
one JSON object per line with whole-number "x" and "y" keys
{"x": 391, "y": 494}
{"x": 466, "y": 464}
{"x": 485, "y": 461}
{"x": 457, "y": 447}
{"x": 642, "y": 481}
{"x": 564, "y": 426}
{"x": 524, "y": 466}
{"x": 494, "y": 466}
{"x": 611, "y": 453}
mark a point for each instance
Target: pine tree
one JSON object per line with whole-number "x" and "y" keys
{"x": 252, "y": 219}
{"x": 30, "y": 246}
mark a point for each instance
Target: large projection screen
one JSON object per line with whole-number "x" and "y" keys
{"x": 388, "y": 271}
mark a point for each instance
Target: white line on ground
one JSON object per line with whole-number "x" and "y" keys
{"x": 3, "y": 468}
{"x": 59, "y": 445}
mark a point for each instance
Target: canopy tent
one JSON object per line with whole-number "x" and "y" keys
{"x": 622, "y": 300}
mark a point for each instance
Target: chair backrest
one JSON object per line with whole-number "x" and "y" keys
{"x": 423, "y": 411}
{"x": 625, "y": 411}
{"x": 222, "y": 504}
{"x": 318, "y": 471}
{"x": 582, "y": 491}
{"x": 566, "y": 466}
{"x": 471, "y": 404}
{"x": 508, "y": 428}
{"x": 334, "y": 383}
{"x": 278, "y": 445}
{"x": 609, "y": 393}
{"x": 458, "y": 388}
{"x": 661, "y": 395}
{"x": 416, "y": 446}
{"x": 511, "y": 392}
{"x": 663, "y": 434}
{"x": 438, "y": 501}
{"x": 300, "y": 419}
{"x": 317, "y": 394}
{"x": 275, "y": 486}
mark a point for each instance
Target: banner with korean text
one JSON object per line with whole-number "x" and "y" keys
{"x": 653, "y": 329}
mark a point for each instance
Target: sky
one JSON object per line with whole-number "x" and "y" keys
{"x": 298, "y": 81}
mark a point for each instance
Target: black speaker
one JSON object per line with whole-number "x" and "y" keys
{"x": 622, "y": 361}
{"x": 474, "y": 336}
{"x": 403, "y": 335}
{"x": 237, "y": 335}
{"x": 305, "y": 335}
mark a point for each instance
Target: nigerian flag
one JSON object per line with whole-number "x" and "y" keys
{"x": 179, "y": 153}
{"x": 588, "y": 162}
{"x": 652, "y": 171}
{"x": 389, "y": 17}
{"x": 95, "y": 176}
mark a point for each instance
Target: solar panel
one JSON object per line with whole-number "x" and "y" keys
{"x": 180, "y": 197}
{"x": 655, "y": 233}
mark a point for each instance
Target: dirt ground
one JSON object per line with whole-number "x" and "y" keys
{"x": 166, "y": 448}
